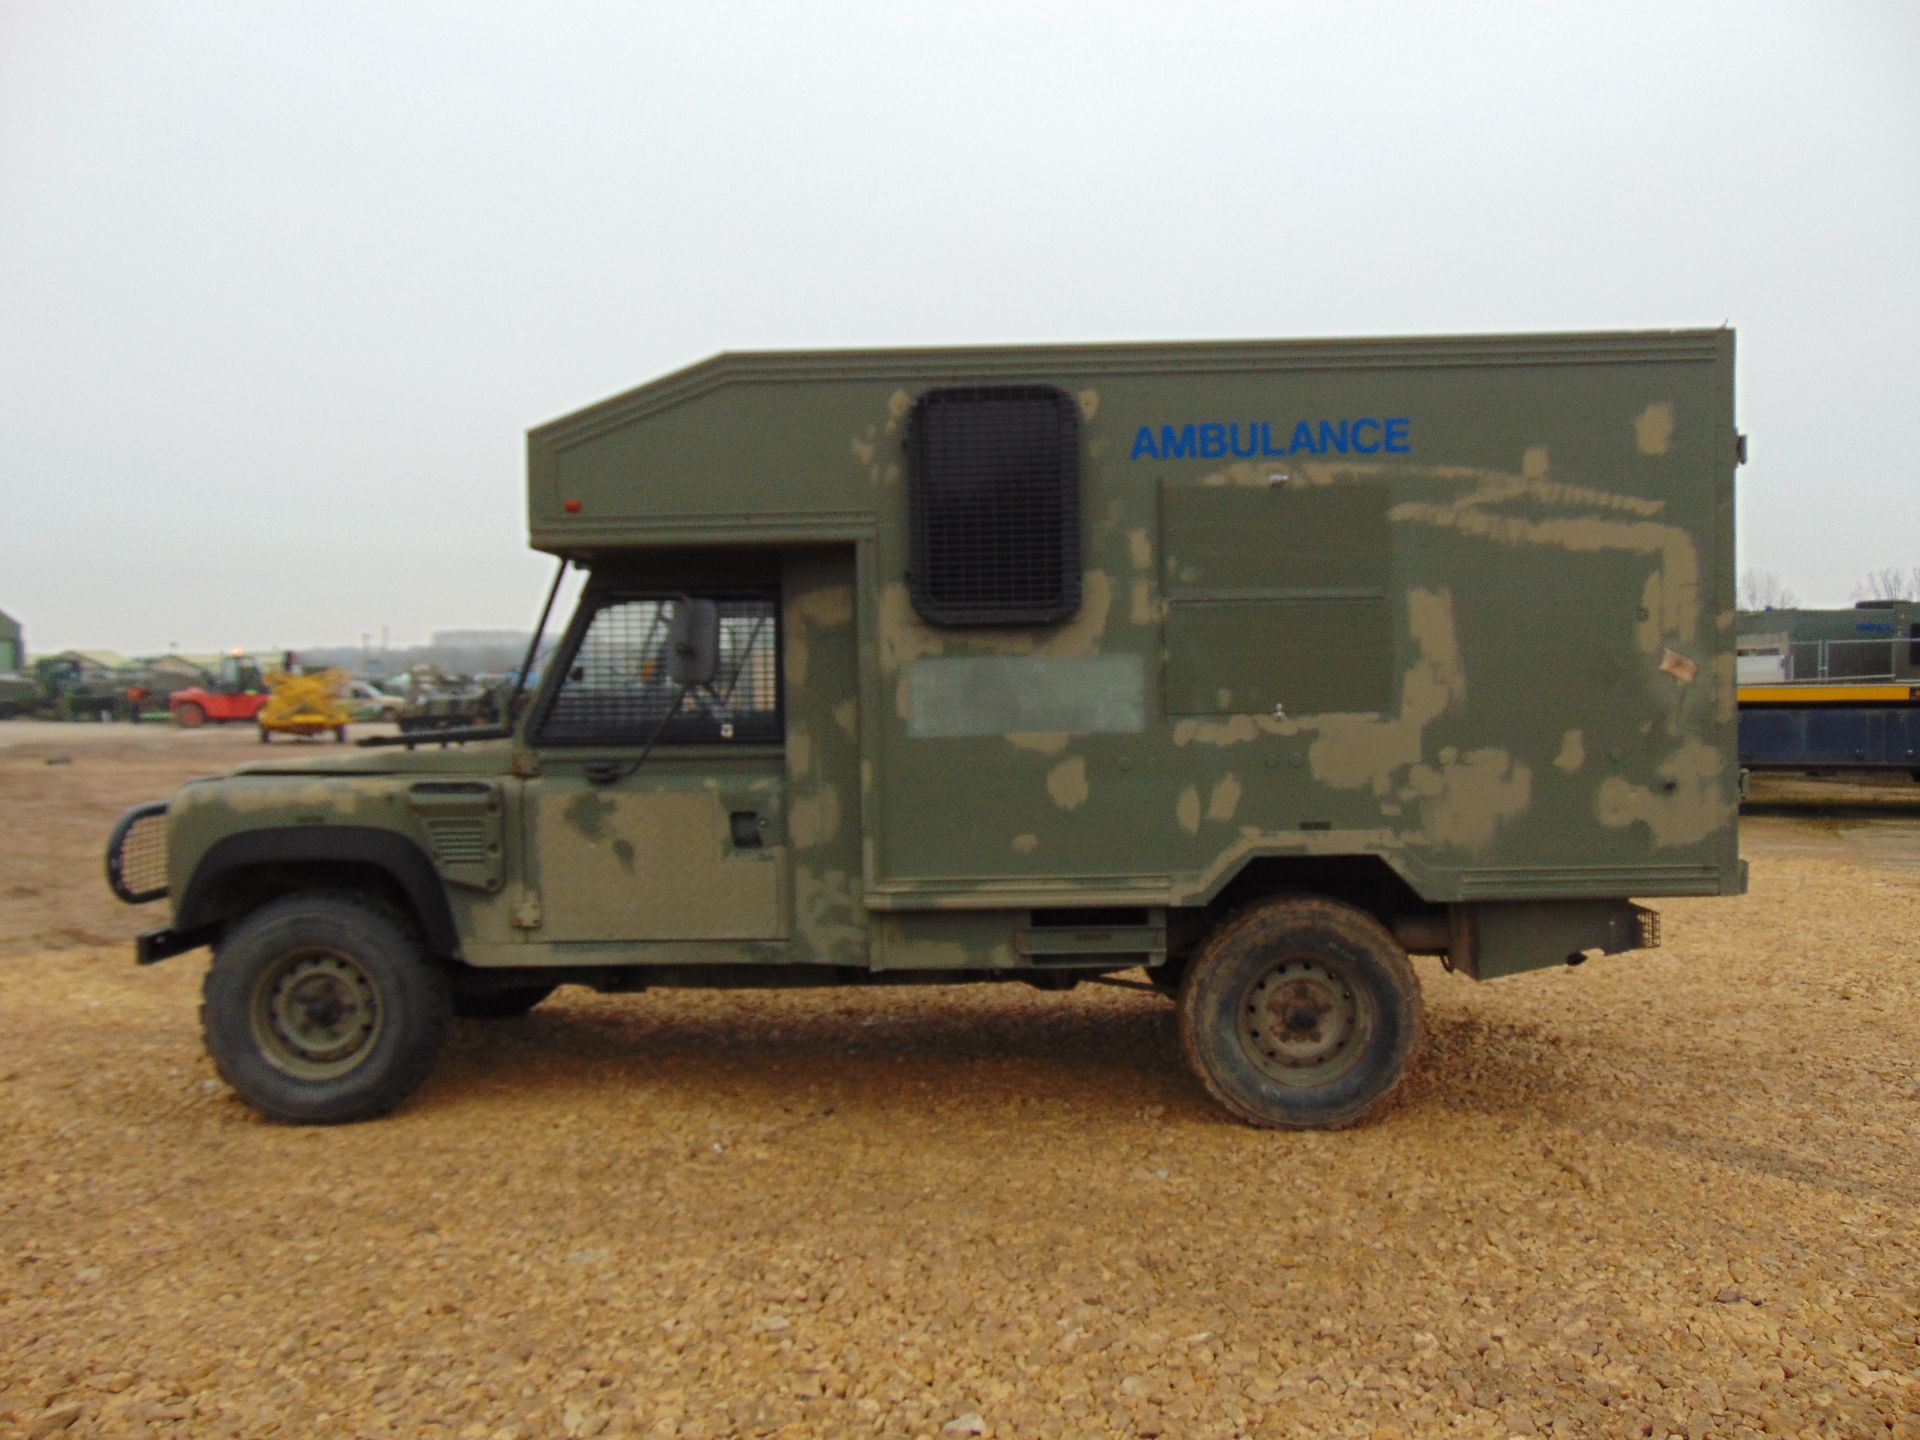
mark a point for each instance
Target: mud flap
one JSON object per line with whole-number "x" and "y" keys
{"x": 1504, "y": 937}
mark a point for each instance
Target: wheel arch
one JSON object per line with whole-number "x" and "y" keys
{"x": 247, "y": 869}
{"x": 1369, "y": 883}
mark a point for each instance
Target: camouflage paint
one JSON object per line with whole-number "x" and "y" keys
{"x": 1531, "y": 698}
{"x": 821, "y": 659}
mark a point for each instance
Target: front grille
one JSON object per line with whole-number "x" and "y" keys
{"x": 137, "y": 854}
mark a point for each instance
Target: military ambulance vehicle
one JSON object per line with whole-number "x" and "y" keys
{"x": 1260, "y": 666}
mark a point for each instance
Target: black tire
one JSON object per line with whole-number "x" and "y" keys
{"x": 265, "y": 735}
{"x": 339, "y": 734}
{"x": 359, "y": 1040}
{"x": 1300, "y": 1014}
{"x": 499, "y": 1004}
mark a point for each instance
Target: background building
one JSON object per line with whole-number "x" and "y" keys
{"x": 13, "y": 643}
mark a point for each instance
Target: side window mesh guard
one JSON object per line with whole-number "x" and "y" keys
{"x": 616, "y": 689}
{"x": 993, "y": 495}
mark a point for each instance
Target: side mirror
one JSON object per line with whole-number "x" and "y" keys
{"x": 693, "y": 643}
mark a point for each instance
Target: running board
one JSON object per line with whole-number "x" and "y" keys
{"x": 1092, "y": 946}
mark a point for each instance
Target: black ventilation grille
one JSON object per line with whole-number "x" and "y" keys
{"x": 993, "y": 479}
{"x": 460, "y": 840}
{"x": 616, "y": 690}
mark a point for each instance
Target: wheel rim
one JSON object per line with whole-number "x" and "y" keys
{"x": 1306, "y": 1020}
{"x": 316, "y": 1013}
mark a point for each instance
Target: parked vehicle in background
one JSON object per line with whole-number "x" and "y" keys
{"x": 438, "y": 701}
{"x": 236, "y": 692}
{"x": 87, "y": 685}
{"x": 18, "y": 694}
{"x": 1825, "y": 690}
{"x": 72, "y": 685}
{"x": 368, "y": 701}
{"x": 305, "y": 703}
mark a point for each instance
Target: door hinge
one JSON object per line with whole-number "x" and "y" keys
{"x": 526, "y": 915}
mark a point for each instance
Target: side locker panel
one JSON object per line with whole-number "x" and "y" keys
{"x": 1277, "y": 598}
{"x": 822, "y": 664}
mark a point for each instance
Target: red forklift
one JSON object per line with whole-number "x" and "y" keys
{"x": 236, "y": 692}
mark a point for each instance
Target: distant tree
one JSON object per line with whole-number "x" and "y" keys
{"x": 1889, "y": 583}
{"x": 1764, "y": 590}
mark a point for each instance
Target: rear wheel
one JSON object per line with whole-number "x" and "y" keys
{"x": 321, "y": 1008}
{"x": 499, "y": 1004}
{"x": 1300, "y": 1014}
{"x": 190, "y": 715}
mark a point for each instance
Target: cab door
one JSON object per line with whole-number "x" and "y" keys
{"x": 658, "y": 815}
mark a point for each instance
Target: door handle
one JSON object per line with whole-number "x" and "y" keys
{"x": 748, "y": 827}
{"x": 600, "y": 772}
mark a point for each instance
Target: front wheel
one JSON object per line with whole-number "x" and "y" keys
{"x": 189, "y": 716}
{"x": 1300, "y": 1014}
{"x": 322, "y": 1008}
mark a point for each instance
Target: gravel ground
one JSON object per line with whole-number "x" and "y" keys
{"x": 1663, "y": 1195}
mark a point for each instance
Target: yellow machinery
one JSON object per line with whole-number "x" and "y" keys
{"x": 305, "y": 704}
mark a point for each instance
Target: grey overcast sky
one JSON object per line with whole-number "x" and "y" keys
{"x": 282, "y": 285}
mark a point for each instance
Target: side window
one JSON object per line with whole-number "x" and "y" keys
{"x": 616, "y": 690}
{"x": 993, "y": 501}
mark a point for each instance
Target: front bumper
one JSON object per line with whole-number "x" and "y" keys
{"x": 152, "y": 946}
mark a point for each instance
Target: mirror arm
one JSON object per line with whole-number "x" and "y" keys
{"x": 623, "y": 771}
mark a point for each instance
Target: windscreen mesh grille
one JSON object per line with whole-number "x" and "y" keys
{"x": 994, "y": 501}
{"x": 616, "y": 690}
